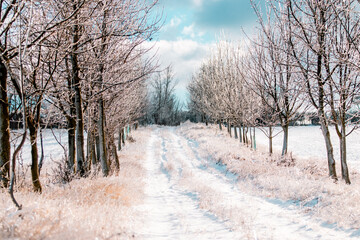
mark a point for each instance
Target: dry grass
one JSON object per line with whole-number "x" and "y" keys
{"x": 90, "y": 208}
{"x": 304, "y": 182}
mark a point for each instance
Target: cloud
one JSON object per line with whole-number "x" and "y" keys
{"x": 186, "y": 56}
{"x": 172, "y": 30}
{"x": 181, "y": 3}
{"x": 192, "y": 31}
{"x": 189, "y": 30}
{"x": 175, "y": 21}
{"x": 197, "y": 3}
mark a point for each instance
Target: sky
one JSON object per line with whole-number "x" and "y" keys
{"x": 190, "y": 29}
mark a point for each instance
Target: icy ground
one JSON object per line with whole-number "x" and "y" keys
{"x": 191, "y": 197}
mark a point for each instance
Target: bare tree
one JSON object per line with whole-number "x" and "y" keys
{"x": 22, "y": 32}
{"x": 275, "y": 77}
{"x": 104, "y": 46}
{"x": 49, "y": 48}
{"x": 219, "y": 89}
{"x": 117, "y": 52}
{"x": 344, "y": 85}
{"x": 163, "y": 100}
{"x": 312, "y": 34}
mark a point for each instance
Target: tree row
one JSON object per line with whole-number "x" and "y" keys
{"x": 304, "y": 57}
{"x": 74, "y": 64}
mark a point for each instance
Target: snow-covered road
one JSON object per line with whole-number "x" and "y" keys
{"x": 192, "y": 197}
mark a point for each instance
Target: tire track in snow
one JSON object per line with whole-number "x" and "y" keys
{"x": 266, "y": 219}
{"x": 173, "y": 208}
{"x": 171, "y": 212}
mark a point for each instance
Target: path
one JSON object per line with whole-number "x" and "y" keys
{"x": 191, "y": 197}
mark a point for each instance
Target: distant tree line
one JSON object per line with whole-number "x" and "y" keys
{"x": 163, "y": 108}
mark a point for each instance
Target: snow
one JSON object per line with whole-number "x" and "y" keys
{"x": 173, "y": 213}
{"x": 195, "y": 182}
{"x": 308, "y": 142}
{"x": 52, "y": 149}
{"x": 189, "y": 196}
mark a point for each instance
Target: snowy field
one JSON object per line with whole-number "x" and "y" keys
{"x": 304, "y": 142}
{"x": 308, "y": 142}
{"x": 189, "y": 182}
{"x": 52, "y": 149}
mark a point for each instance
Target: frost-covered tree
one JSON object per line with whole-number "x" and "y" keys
{"x": 273, "y": 75}
{"x": 27, "y": 56}
{"x": 320, "y": 41}
{"x": 164, "y": 105}
{"x": 219, "y": 89}
{"x": 72, "y": 54}
{"x": 344, "y": 82}
{"x": 109, "y": 57}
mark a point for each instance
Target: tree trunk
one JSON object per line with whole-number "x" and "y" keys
{"x": 34, "y": 157}
{"x": 270, "y": 140}
{"x": 97, "y": 143}
{"x": 244, "y": 135}
{"x": 240, "y": 135}
{"x": 123, "y": 136}
{"x": 229, "y": 127}
{"x": 344, "y": 167}
{"x": 93, "y": 152}
{"x": 114, "y": 153}
{"x": 329, "y": 148}
{"x": 42, "y": 151}
{"x": 285, "y": 139}
{"x": 235, "y": 132}
{"x": 321, "y": 95}
{"x": 91, "y": 149}
{"x": 251, "y": 139}
{"x": 75, "y": 82}
{"x": 80, "y": 155}
{"x": 71, "y": 144}
{"x": 254, "y": 139}
{"x": 119, "y": 139}
{"x": 88, "y": 150}
{"x": 220, "y": 125}
{"x": 4, "y": 129}
{"x": 102, "y": 143}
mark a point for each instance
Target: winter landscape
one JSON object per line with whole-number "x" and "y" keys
{"x": 164, "y": 119}
{"x": 191, "y": 181}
